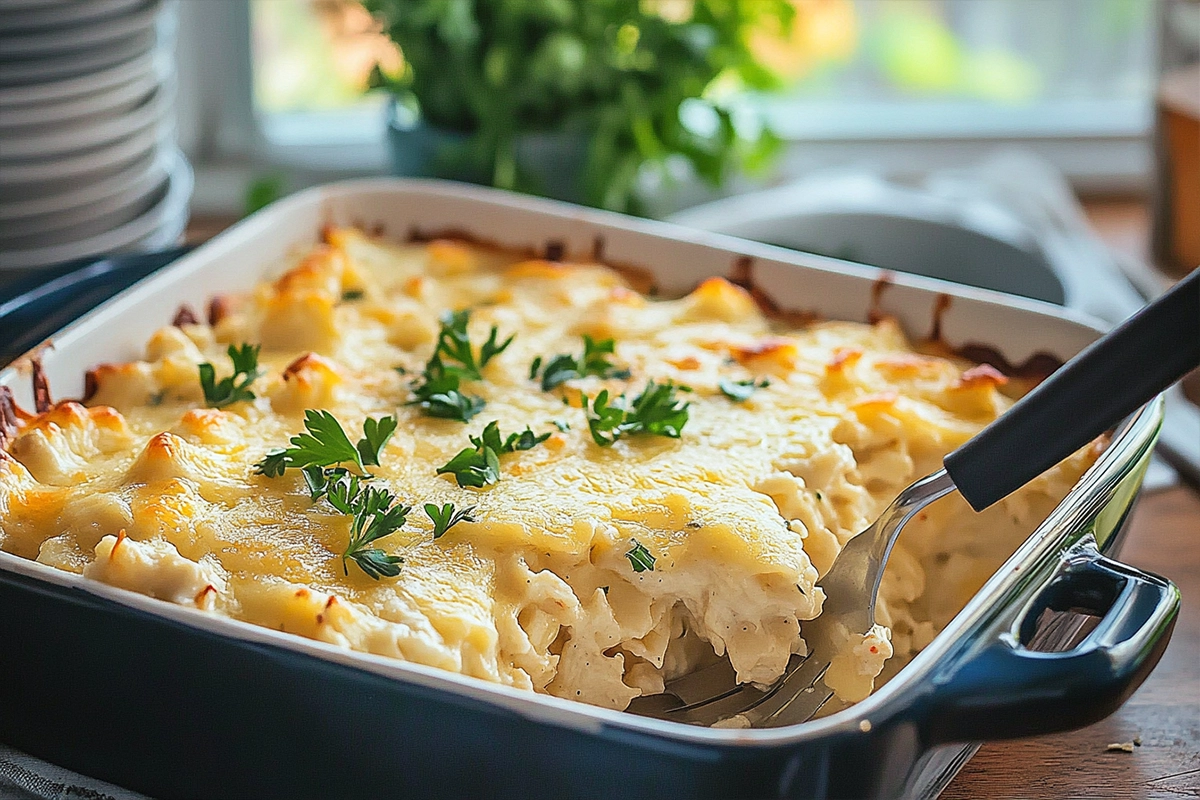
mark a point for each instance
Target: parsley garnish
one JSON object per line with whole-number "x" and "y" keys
{"x": 236, "y": 387}
{"x": 438, "y": 391}
{"x": 562, "y": 368}
{"x": 318, "y": 479}
{"x": 656, "y": 410}
{"x": 438, "y": 394}
{"x": 476, "y": 467}
{"x": 325, "y": 444}
{"x": 455, "y": 346}
{"x": 739, "y": 391}
{"x": 375, "y": 514}
{"x": 479, "y": 466}
{"x": 318, "y": 454}
{"x": 445, "y": 517}
{"x": 640, "y": 558}
{"x": 376, "y": 433}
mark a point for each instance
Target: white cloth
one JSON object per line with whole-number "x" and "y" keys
{"x": 24, "y": 777}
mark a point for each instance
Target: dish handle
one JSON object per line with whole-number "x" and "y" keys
{"x": 1007, "y": 688}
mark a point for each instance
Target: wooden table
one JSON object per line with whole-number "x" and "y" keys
{"x": 1164, "y": 537}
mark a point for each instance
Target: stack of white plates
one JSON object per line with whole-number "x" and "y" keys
{"x": 88, "y": 160}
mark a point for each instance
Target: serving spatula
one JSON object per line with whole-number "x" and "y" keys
{"x": 1088, "y": 395}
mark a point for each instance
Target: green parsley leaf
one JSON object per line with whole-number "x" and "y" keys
{"x": 376, "y": 563}
{"x": 236, "y": 387}
{"x": 595, "y": 361}
{"x": 376, "y": 433}
{"x": 491, "y": 349}
{"x": 439, "y": 389}
{"x": 273, "y": 464}
{"x": 640, "y": 558}
{"x": 562, "y": 368}
{"x": 657, "y": 410}
{"x": 317, "y": 480}
{"x": 525, "y": 440}
{"x": 325, "y": 444}
{"x": 437, "y": 393}
{"x": 602, "y": 418}
{"x": 740, "y": 391}
{"x": 375, "y": 514}
{"x": 445, "y": 517}
{"x": 454, "y": 345}
{"x": 473, "y": 466}
{"x": 480, "y": 466}
{"x": 351, "y": 295}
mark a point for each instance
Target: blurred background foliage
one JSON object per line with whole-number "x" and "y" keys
{"x": 660, "y": 84}
{"x": 640, "y": 81}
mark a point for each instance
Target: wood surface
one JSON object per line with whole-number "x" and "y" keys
{"x": 1164, "y": 538}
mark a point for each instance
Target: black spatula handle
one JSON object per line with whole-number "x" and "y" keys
{"x": 1088, "y": 395}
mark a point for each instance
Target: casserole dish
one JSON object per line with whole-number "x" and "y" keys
{"x": 175, "y": 703}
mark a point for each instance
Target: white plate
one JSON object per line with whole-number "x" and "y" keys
{"x": 41, "y": 178}
{"x": 89, "y": 221}
{"x": 165, "y": 212}
{"x": 55, "y": 12}
{"x": 21, "y": 5}
{"x": 83, "y": 63}
{"x": 90, "y": 109}
{"x": 23, "y": 145}
{"x": 81, "y": 193}
{"x": 169, "y": 232}
{"x": 67, "y": 89}
{"x": 89, "y": 216}
{"x": 64, "y": 39}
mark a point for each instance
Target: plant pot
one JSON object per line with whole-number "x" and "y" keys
{"x": 421, "y": 150}
{"x": 549, "y": 163}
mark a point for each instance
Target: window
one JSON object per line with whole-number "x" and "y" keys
{"x": 906, "y": 84}
{"x": 882, "y": 69}
{"x": 312, "y": 62}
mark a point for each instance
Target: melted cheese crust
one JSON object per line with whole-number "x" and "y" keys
{"x": 146, "y": 489}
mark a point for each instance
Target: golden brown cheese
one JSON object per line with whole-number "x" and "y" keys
{"x": 148, "y": 490}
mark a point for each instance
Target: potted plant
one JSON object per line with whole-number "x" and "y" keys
{"x": 575, "y": 98}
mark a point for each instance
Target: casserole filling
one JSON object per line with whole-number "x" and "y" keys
{"x": 663, "y": 481}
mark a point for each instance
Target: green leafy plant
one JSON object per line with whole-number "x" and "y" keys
{"x": 454, "y": 345}
{"x": 646, "y": 81}
{"x": 262, "y": 191}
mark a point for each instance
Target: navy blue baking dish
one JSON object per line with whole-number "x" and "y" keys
{"x": 163, "y": 701}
